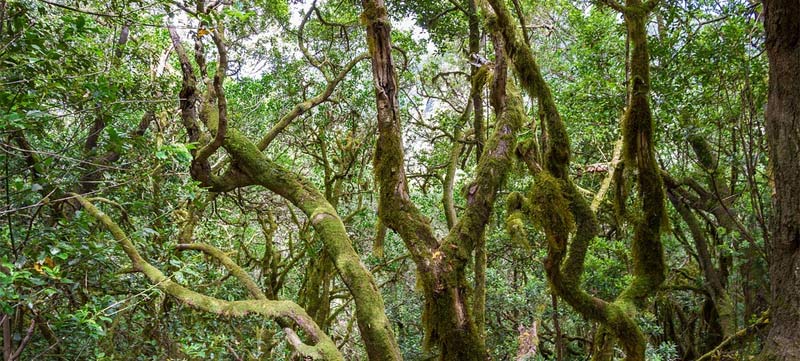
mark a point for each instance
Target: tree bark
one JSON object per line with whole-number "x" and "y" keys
{"x": 782, "y": 25}
{"x": 563, "y": 207}
{"x": 441, "y": 264}
{"x": 250, "y": 166}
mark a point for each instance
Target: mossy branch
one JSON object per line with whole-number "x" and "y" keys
{"x": 395, "y": 208}
{"x": 452, "y": 164}
{"x": 745, "y": 332}
{"x": 565, "y": 279}
{"x": 613, "y": 169}
{"x": 557, "y": 160}
{"x": 252, "y": 167}
{"x": 491, "y": 172}
{"x": 228, "y": 263}
{"x": 254, "y": 291}
{"x": 188, "y": 94}
{"x": 639, "y": 153}
{"x": 370, "y": 312}
{"x": 325, "y": 349}
{"x": 441, "y": 266}
{"x": 527, "y": 70}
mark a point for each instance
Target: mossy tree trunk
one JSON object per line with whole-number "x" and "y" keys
{"x": 476, "y": 98}
{"x": 441, "y": 264}
{"x": 555, "y": 204}
{"x": 249, "y": 166}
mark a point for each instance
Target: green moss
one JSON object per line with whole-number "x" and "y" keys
{"x": 515, "y": 226}
{"x": 703, "y": 152}
{"x": 325, "y": 348}
{"x": 550, "y": 210}
{"x": 372, "y": 12}
{"x": 514, "y": 201}
{"x": 370, "y": 311}
{"x": 481, "y": 77}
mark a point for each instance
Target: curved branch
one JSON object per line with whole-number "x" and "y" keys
{"x": 452, "y": 164}
{"x": 303, "y": 107}
{"x": 253, "y": 167}
{"x": 557, "y": 193}
{"x": 188, "y": 94}
{"x": 395, "y": 208}
{"x": 613, "y": 169}
{"x": 638, "y": 152}
{"x": 23, "y": 342}
{"x": 228, "y": 263}
{"x": 255, "y": 291}
{"x": 301, "y": 44}
{"x": 614, "y": 5}
{"x": 372, "y": 321}
{"x": 761, "y": 322}
{"x": 222, "y": 103}
{"x": 325, "y": 349}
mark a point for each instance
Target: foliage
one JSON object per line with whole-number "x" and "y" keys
{"x": 89, "y": 103}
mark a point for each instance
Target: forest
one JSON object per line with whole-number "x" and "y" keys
{"x": 400, "y": 180}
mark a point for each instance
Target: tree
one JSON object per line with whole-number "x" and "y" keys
{"x": 397, "y": 180}
{"x": 440, "y": 264}
{"x": 782, "y": 25}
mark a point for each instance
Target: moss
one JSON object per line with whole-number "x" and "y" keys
{"x": 556, "y": 204}
{"x": 314, "y": 296}
{"x": 370, "y": 311}
{"x": 372, "y": 12}
{"x": 481, "y": 77}
{"x": 621, "y": 190}
{"x": 639, "y": 154}
{"x": 550, "y": 210}
{"x": 515, "y": 221}
{"x": 515, "y": 226}
{"x": 324, "y": 349}
{"x": 703, "y": 151}
{"x": 515, "y": 201}
{"x": 528, "y": 150}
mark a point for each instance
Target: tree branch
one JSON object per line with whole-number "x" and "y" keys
{"x": 228, "y": 263}
{"x": 222, "y": 104}
{"x": 325, "y": 349}
{"x": 305, "y": 106}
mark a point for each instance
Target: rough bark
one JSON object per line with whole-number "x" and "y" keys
{"x": 441, "y": 266}
{"x": 557, "y": 207}
{"x": 782, "y": 25}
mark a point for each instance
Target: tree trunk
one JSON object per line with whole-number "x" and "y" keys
{"x": 782, "y": 25}
{"x": 441, "y": 264}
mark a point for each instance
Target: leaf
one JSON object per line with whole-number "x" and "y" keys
{"x": 80, "y": 22}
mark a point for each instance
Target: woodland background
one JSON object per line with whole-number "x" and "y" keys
{"x": 543, "y": 180}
